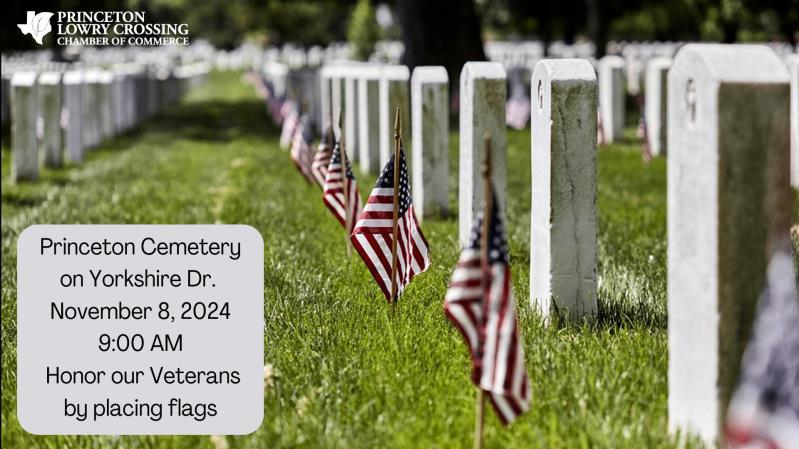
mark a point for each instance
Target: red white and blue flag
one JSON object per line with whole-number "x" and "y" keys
{"x": 301, "y": 153}
{"x": 479, "y": 302}
{"x": 764, "y": 410}
{"x": 321, "y": 159}
{"x": 289, "y": 128}
{"x": 345, "y": 206}
{"x": 373, "y": 233}
{"x": 517, "y": 111}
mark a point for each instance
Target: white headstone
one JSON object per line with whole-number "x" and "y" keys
{"x": 90, "y": 109}
{"x": 655, "y": 94}
{"x": 336, "y": 97}
{"x": 351, "y": 116}
{"x": 351, "y": 113}
{"x": 482, "y": 111}
{"x": 120, "y": 100}
{"x": 24, "y": 148}
{"x": 430, "y": 142}
{"x": 49, "y": 112}
{"x": 71, "y": 115}
{"x": 563, "y": 222}
{"x": 324, "y": 96}
{"x": 106, "y": 103}
{"x": 611, "y": 97}
{"x": 792, "y": 62}
{"x": 368, "y": 119}
{"x": 394, "y": 93}
{"x": 728, "y": 196}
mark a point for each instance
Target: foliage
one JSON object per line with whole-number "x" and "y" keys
{"x": 721, "y": 20}
{"x": 363, "y": 31}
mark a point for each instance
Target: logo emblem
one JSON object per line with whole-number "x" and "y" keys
{"x": 38, "y": 25}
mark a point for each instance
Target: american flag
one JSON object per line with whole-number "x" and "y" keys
{"x": 290, "y": 125}
{"x": 333, "y": 195}
{"x": 321, "y": 159}
{"x": 301, "y": 153}
{"x": 479, "y": 302}
{"x": 643, "y": 133}
{"x": 373, "y": 233}
{"x": 764, "y": 410}
{"x": 600, "y": 130}
{"x": 517, "y": 111}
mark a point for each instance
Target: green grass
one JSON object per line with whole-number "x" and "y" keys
{"x": 347, "y": 374}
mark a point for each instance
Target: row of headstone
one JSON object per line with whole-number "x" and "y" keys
{"x": 630, "y": 69}
{"x": 729, "y": 197}
{"x": 729, "y": 194}
{"x": 57, "y": 116}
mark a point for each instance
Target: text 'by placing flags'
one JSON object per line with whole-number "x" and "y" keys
{"x": 479, "y": 302}
{"x": 340, "y": 189}
{"x": 374, "y": 231}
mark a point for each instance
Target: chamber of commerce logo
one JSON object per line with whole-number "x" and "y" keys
{"x": 38, "y": 25}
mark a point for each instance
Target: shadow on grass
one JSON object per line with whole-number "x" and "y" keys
{"x": 616, "y": 314}
{"x": 215, "y": 120}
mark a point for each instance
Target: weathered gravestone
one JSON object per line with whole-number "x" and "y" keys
{"x": 368, "y": 119}
{"x": 49, "y": 114}
{"x": 71, "y": 115}
{"x": 482, "y": 112}
{"x": 655, "y": 113}
{"x": 793, "y": 69}
{"x": 563, "y": 223}
{"x": 728, "y": 198}
{"x": 24, "y": 147}
{"x": 393, "y": 94}
{"x": 611, "y": 97}
{"x": 430, "y": 139}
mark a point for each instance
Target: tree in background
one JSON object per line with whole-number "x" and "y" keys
{"x": 363, "y": 32}
{"x": 674, "y": 20}
{"x": 443, "y": 31}
{"x": 440, "y": 32}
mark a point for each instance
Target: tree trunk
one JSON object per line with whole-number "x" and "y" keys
{"x": 440, "y": 32}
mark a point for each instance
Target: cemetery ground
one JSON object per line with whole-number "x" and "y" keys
{"x": 341, "y": 370}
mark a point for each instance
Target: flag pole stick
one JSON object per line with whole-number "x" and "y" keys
{"x": 344, "y": 184}
{"x": 397, "y": 125}
{"x": 488, "y": 209}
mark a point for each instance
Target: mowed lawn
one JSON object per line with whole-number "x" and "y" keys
{"x": 347, "y": 373}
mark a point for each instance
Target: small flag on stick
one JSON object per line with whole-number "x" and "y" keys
{"x": 321, "y": 159}
{"x": 517, "y": 111}
{"x": 346, "y": 207}
{"x": 289, "y": 128}
{"x": 479, "y": 302}
{"x": 301, "y": 150}
{"x": 764, "y": 410}
{"x": 387, "y": 234}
